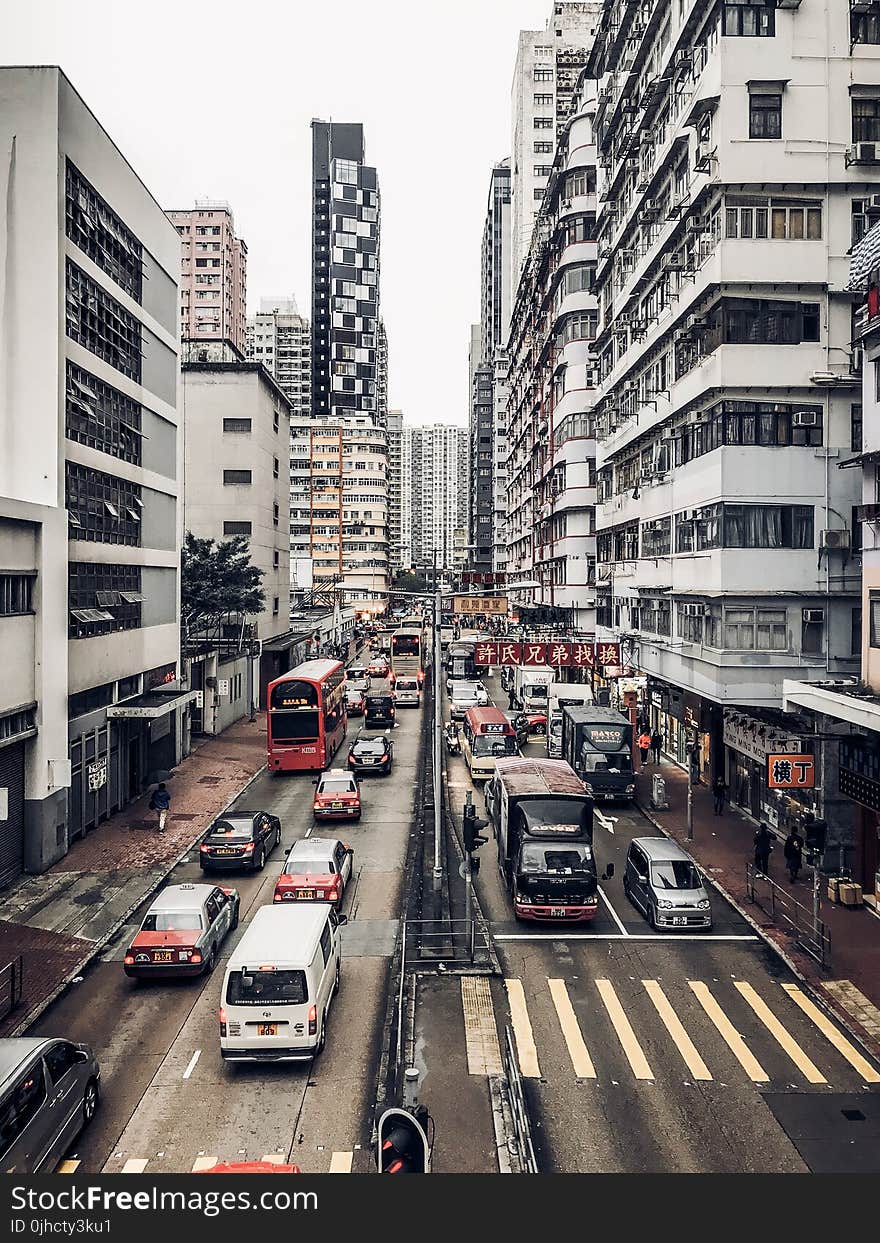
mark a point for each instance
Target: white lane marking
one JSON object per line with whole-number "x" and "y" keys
{"x": 623, "y": 1029}
{"x": 203, "y": 1163}
{"x": 605, "y": 822}
{"x": 625, "y": 936}
{"x": 340, "y": 1163}
{"x": 614, "y": 914}
{"x": 134, "y": 1165}
{"x": 522, "y": 1030}
{"x": 832, "y": 1034}
{"x": 192, "y": 1063}
{"x": 695, "y": 1064}
{"x": 577, "y": 1049}
{"x": 781, "y": 1034}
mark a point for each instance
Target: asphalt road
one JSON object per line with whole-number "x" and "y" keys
{"x": 663, "y": 1052}
{"x": 168, "y": 1099}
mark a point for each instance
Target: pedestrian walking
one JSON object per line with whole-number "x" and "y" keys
{"x": 161, "y": 802}
{"x": 794, "y": 854}
{"x": 719, "y": 791}
{"x": 656, "y": 745}
{"x": 644, "y": 746}
{"x": 763, "y": 846}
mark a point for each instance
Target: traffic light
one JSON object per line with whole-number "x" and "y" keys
{"x": 402, "y": 1145}
{"x": 470, "y": 827}
{"x": 815, "y": 831}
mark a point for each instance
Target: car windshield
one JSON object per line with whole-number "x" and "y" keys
{"x": 620, "y": 763}
{"x": 485, "y": 744}
{"x": 370, "y": 745}
{"x": 336, "y": 785}
{"x": 357, "y": 671}
{"x": 535, "y": 691}
{"x": 263, "y": 988}
{"x": 172, "y": 921}
{"x": 230, "y": 831}
{"x": 407, "y": 684}
{"x": 309, "y": 867}
{"x": 379, "y": 702}
{"x": 565, "y": 859}
{"x": 675, "y": 874}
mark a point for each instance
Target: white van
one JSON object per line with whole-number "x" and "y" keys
{"x": 407, "y": 691}
{"x": 279, "y": 984}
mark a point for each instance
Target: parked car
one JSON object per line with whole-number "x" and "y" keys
{"x": 317, "y": 869}
{"x": 371, "y": 754}
{"x": 337, "y": 796}
{"x": 355, "y": 702}
{"x": 49, "y": 1090}
{"x": 240, "y": 839}
{"x": 182, "y": 932}
{"x": 467, "y": 695}
{"x": 663, "y": 882}
{"x": 380, "y": 711}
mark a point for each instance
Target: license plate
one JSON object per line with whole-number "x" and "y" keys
{"x": 678, "y": 920}
{"x": 335, "y": 806}
{"x": 305, "y": 893}
{"x": 557, "y": 910}
{"x": 225, "y": 850}
{"x": 267, "y": 1029}
{"x": 163, "y": 956}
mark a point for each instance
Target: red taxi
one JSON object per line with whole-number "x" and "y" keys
{"x": 182, "y": 931}
{"x": 337, "y": 796}
{"x": 355, "y": 703}
{"x": 378, "y": 667}
{"x": 317, "y": 869}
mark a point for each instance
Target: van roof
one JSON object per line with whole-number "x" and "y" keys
{"x": 659, "y": 848}
{"x": 281, "y": 934}
{"x": 604, "y": 716}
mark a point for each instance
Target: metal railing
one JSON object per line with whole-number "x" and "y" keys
{"x": 521, "y": 1125}
{"x": 448, "y": 941}
{"x": 799, "y": 921}
{"x": 10, "y": 985}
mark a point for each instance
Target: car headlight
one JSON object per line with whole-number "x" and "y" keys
{"x": 664, "y": 902}
{"x": 630, "y": 789}
{"x": 523, "y": 898}
{"x": 703, "y": 904}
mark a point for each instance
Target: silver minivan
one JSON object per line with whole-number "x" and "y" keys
{"x": 663, "y": 882}
{"x": 48, "y": 1092}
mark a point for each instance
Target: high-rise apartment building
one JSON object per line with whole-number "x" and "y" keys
{"x": 90, "y": 474}
{"x": 279, "y": 338}
{"x": 213, "y": 278}
{"x": 382, "y": 374}
{"x": 437, "y": 484}
{"x": 398, "y": 552}
{"x": 481, "y": 507}
{"x": 345, "y": 274}
{"x": 548, "y": 65}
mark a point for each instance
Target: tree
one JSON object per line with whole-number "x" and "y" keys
{"x": 411, "y": 582}
{"x": 217, "y": 578}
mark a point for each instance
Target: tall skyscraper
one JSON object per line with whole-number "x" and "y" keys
{"x": 437, "y": 484}
{"x": 398, "y": 556}
{"x": 345, "y": 273}
{"x": 213, "y": 279}
{"x": 548, "y": 65}
{"x": 382, "y": 374}
{"x": 495, "y": 264}
{"x": 278, "y": 337}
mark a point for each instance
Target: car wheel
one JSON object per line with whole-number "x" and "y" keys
{"x": 541, "y": 730}
{"x": 211, "y": 961}
{"x": 322, "y": 1037}
{"x": 337, "y": 981}
{"x": 278, "y": 836}
{"x": 260, "y": 860}
{"x": 90, "y": 1101}
{"x": 651, "y": 916}
{"x": 234, "y": 924}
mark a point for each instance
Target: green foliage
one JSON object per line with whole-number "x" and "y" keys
{"x": 412, "y": 582}
{"x": 217, "y": 578}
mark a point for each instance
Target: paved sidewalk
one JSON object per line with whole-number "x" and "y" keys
{"x": 722, "y": 846}
{"x": 59, "y": 920}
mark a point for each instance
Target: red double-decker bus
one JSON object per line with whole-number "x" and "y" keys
{"x": 306, "y": 717}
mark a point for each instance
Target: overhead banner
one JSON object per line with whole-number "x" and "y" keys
{"x": 479, "y": 604}
{"x": 561, "y": 654}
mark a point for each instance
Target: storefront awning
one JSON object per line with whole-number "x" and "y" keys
{"x": 150, "y": 707}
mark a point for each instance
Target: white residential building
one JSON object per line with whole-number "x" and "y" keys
{"x": 398, "y": 551}
{"x": 278, "y": 337}
{"x": 437, "y": 481}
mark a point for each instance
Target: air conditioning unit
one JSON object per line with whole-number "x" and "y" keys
{"x": 874, "y": 205}
{"x": 835, "y": 541}
{"x": 868, "y": 513}
{"x": 806, "y": 418}
{"x": 682, "y": 334}
{"x": 638, "y": 328}
{"x": 700, "y": 323}
{"x": 566, "y": 203}
{"x": 813, "y": 615}
{"x": 856, "y": 359}
{"x": 666, "y": 434}
{"x": 863, "y": 153}
{"x": 624, "y": 318}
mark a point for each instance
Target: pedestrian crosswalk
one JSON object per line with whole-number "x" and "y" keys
{"x": 166, "y": 1162}
{"x": 700, "y": 1031}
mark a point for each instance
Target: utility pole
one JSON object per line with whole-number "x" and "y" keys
{"x": 690, "y": 805}
{"x": 438, "y": 745}
{"x": 467, "y": 874}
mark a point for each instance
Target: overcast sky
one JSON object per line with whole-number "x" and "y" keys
{"x": 214, "y": 100}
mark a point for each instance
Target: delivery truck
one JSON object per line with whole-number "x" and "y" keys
{"x": 597, "y": 743}
{"x": 563, "y": 695}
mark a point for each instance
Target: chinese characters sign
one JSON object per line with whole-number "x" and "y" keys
{"x": 791, "y": 772}
{"x": 559, "y": 654}
{"x": 479, "y": 604}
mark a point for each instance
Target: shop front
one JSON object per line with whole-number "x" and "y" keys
{"x": 747, "y": 742}
{"x": 859, "y": 781}
{"x": 682, "y": 718}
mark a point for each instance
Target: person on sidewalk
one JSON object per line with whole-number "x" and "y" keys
{"x": 794, "y": 854}
{"x": 719, "y": 792}
{"x": 763, "y": 846}
{"x": 644, "y": 746}
{"x": 656, "y": 745}
{"x": 161, "y": 802}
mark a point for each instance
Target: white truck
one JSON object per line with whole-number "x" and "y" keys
{"x": 563, "y": 695}
{"x": 530, "y": 684}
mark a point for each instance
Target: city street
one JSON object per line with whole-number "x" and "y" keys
{"x": 169, "y": 1103}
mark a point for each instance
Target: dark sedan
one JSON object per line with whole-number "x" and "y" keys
{"x": 369, "y": 754}
{"x": 240, "y": 839}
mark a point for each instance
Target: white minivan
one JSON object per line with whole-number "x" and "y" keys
{"x": 279, "y": 984}
{"x": 407, "y": 691}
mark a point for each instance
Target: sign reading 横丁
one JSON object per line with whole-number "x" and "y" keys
{"x": 569, "y": 654}
{"x": 479, "y": 604}
{"x": 791, "y": 771}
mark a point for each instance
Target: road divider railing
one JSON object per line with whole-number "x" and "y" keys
{"x": 524, "y": 1155}
{"x": 801, "y": 922}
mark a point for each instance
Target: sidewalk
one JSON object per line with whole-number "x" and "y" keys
{"x": 722, "y": 846}
{"x": 60, "y": 920}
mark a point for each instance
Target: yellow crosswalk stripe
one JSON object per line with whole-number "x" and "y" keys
{"x": 68, "y": 1167}
{"x": 625, "y": 1033}
{"x": 783, "y": 1037}
{"x": 728, "y": 1033}
{"x": 340, "y": 1163}
{"x": 274, "y": 1158}
{"x": 203, "y": 1163}
{"x": 695, "y": 1064}
{"x": 522, "y": 1030}
{"x": 577, "y": 1050}
{"x": 832, "y": 1034}
{"x": 134, "y": 1165}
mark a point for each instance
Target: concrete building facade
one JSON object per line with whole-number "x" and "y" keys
{"x": 279, "y": 338}
{"x": 213, "y": 276}
{"x": 399, "y": 554}
{"x": 90, "y": 470}
{"x": 437, "y": 484}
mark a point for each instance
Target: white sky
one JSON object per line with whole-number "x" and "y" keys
{"x": 215, "y": 99}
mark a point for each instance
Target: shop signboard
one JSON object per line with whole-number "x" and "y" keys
{"x": 97, "y": 774}
{"x": 791, "y": 771}
{"x": 755, "y": 739}
{"x": 469, "y": 605}
{"x": 569, "y": 654}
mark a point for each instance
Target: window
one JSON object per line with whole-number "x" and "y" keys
{"x": 276, "y": 467}
{"x": 750, "y": 216}
{"x": 749, "y": 17}
{"x": 753, "y": 321}
{"x": 15, "y": 594}
{"x": 866, "y": 120}
{"x": 102, "y": 508}
{"x": 765, "y": 116}
{"x": 99, "y": 233}
{"x": 237, "y": 528}
{"x": 102, "y": 325}
{"x": 812, "y": 633}
{"x": 542, "y": 170}
{"x": 543, "y": 75}
{"x": 242, "y": 426}
{"x": 543, "y": 148}
{"x": 276, "y": 513}
{"x": 59, "y": 1060}
{"x": 855, "y": 646}
{"x": 538, "y": 193}
{"x": 275, "y": 607}
{"x": 237, "y": 477}
{"x": 103, "y": 598}
{"x": 543, "y": 122}
{"x": 656, "y": 538}
{"x": 855, "y": 426}
{"x": 689, "y": 626}
{"x": 767, "y": 526}
{"x": 865, "y": 27}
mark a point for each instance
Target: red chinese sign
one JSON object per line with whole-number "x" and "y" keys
{"x": 791, "y": 771}
{"x": 556, "y": 653}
